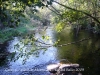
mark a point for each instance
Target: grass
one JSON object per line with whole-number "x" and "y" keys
{"x": 24, "y": 27}
{"x": 8, "y": 33}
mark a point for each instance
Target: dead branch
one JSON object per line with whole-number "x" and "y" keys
{"x": 49, "y": 45}
{"x": 84, "y": 39}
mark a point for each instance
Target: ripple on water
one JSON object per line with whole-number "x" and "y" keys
{"x": 17, "y": 68}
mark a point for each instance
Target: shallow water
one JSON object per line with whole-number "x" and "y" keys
{"x": 33, "y": 63}
{"x": 85, "y": 53}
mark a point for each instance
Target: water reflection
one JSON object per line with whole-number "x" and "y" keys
{"x": 40, "y": 62}
{"x": 86, "y": 53}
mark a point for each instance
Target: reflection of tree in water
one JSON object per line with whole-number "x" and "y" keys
{"x": 90, "y": 57}
{"x": 3, "y": 54}
{"x": 85, "y": 53}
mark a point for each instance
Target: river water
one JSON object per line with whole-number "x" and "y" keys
{"x": 85, "y": 53}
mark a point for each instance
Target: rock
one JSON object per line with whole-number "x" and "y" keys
{"x": 53, "y": 68}
{"x": 63, "y": 69}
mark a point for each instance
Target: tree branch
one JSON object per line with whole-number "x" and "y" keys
{"x": 95, "y": 19}
{"x": 84, "y": 39}
{"x": 49, "y": 45}
{"x": 55, "y": 9}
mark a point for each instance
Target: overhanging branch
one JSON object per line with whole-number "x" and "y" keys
{"x": 84, "y": 39}
{"x": 49, "y": 45}
{"x": 95, "y": 19}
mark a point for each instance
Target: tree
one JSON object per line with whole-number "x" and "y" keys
{"x": 10, "y": 10}
{"x": 87, "y": 14}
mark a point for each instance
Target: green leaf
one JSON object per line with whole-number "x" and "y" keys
{"x": 43, "y": 37}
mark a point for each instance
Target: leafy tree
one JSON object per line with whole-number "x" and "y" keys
{"x": 85, "y": 13}
{"x": 12, "y": 9}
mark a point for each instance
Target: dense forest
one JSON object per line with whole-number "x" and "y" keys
{"x": 75, "y": 27}
{"x": 78, "y": 13}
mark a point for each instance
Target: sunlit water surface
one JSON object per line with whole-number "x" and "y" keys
{"x": 85, "y": 53}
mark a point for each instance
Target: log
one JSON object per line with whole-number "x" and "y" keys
{"x": 53, "y": 68}
{"x": 64, "y": 69}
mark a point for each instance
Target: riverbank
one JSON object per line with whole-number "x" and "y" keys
{"x": 33, "y": 63}
{"x": 8, "y": 33}
{"x": 73, "y": 53}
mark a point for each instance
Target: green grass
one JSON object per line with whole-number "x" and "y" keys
{"x": 24, "y": 27}
{"x": 8, "y": 33}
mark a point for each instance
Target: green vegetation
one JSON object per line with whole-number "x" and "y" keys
{"x": 73, "y": 21}
{"x": 20, "y": 17}
{"x": 8, "y": 32}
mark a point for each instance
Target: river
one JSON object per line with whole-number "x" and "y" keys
{"x": 85, "y": 53}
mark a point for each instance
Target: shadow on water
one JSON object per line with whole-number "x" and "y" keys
{"x": 3, "y": 53}
{"x": 85, "y": 53}
{"x": 33, "y": 65}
